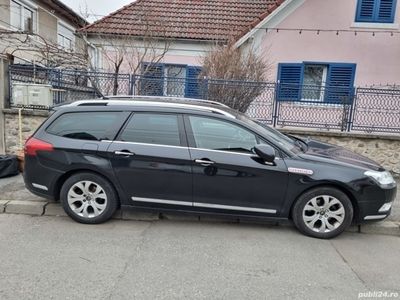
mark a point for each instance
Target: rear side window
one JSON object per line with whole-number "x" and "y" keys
{"x": 94, "y": 126}
{"x": 149, "y": 128}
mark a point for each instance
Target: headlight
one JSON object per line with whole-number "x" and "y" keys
{"x": 384, "y": 179}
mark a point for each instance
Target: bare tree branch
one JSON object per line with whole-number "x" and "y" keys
{"x": 233, "y": 76}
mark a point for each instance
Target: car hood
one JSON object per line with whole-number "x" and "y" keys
{"x": 324, "y": 152}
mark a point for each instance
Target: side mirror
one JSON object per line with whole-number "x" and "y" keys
{"x": 266, "y": 152}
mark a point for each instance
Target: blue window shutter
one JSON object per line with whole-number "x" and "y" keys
{"x": 192, "y": 85}
{"x": 376, "y": 11}
{"x": 152, "y": 82}
{"x": 340, "y": 83}
{"x": 290, "y": 79}
{"x": 386, "y": 11}
{"x": 366, "y": 10}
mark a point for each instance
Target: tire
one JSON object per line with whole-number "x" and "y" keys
{"x": 88, "y": 198}
{"x": 322, "y": 212}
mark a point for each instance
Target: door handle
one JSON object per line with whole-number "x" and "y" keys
{"x": 204, "y": 162}
{"x": 124, "y": 153}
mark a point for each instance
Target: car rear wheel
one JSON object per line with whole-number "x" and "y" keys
{"x": 323, "y": 212}
{"x": 88, "y": 198}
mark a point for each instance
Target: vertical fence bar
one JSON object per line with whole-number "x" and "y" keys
{"x": 10, "y": 87}
{"x": 131, "y": 84}
{"x": 352, "y": 108}
{"x": 275, "y": 108}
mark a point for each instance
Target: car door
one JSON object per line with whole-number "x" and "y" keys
{"x": 227, "y": 175}
{"x": 151, "y": 160}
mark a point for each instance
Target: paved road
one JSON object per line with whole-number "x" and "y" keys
{"x": 56, "y": 258}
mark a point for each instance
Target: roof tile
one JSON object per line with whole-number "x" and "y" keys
{"x": 185, "y": 19}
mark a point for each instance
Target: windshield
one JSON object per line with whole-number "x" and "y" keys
{"x": 272, "y": 135}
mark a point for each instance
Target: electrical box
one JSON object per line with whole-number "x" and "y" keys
{"x": 28, "y": 94}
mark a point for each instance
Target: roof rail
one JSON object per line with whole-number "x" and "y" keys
{"x": 165, "y": 98}
{"x": 151, "y": 103}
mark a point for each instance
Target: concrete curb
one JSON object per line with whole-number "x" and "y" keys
{"x": 34, "y": 208}
{"x": 40, "y": 208}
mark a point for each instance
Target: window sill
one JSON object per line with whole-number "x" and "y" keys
{"x": 393, "y": 26}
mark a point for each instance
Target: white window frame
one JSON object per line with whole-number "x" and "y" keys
{"x": 165, "y": 90}
{"x": 70, "y": 36}
{"x": 323, "y": 84}
{"x": 28, "y": 5}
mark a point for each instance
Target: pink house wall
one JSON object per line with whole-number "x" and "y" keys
{"x": 377, "y": 57}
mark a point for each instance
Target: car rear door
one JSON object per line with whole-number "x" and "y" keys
{"x": 151, "y": 160}
{"x": 227, "y": 176}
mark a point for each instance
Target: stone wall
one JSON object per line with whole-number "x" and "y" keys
{"x": 385, "y": 149}
{"x": 31, "y": 120}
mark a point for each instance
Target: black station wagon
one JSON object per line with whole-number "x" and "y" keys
{"x": 200, "y": 157}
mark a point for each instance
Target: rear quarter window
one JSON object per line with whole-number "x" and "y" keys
{"x": 94, "y": 126}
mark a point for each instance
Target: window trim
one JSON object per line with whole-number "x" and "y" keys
{"x": 181, "y": 128}
{"x": 375, "y": 17}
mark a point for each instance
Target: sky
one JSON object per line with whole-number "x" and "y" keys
{"x": 95, "y": 8}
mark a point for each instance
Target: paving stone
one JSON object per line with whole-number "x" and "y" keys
{"x": 35, "y": 208}
{"x": 385, "y": 228}
{"x": 3, "y": 204}
{"x": 54, "y": 209}
{"x": 128, "y": 214}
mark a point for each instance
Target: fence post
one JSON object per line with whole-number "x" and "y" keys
{"x": 4, "y": 88}
{"x": 131, "y": 84}
{"x": 352, "y": 110}
{"x": 275, "y": 106}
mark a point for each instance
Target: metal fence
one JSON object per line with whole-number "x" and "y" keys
{"x": 280, "y": 105}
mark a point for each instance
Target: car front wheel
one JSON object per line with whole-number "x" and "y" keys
{"x": 323, "y": 212}
{"x": 88, "y": 198}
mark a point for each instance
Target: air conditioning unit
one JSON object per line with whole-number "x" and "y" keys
{"x": 27, "y": 94}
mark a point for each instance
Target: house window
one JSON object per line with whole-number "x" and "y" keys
{"x": 23, "y": 17}
{"x": 175, "y": 80}
{"x": 376, "y": 11}
{"x": 314, "y": 81}
{"x": 65, "y": 37}
{"x": 310, "y": 82}
{"x": 170, "y": 80}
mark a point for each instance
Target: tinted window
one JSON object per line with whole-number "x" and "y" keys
{"x": 220, "y": 135}
{"x": 152, "y": 129}
{"x": 86, "y": 125}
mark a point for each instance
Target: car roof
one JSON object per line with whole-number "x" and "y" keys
{"x": 157, "y": 102}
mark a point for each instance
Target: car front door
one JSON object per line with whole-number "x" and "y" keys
{"x": 227, "y": 175}
{"x": 151, "y": 160}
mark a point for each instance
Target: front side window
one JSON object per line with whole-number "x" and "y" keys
{"x": 149, "y": 128}
{"x": 22, "y": 17}
{"x": 376, "y": 11}
{"x": 213, "y": 134}
{"x": 93, "y": 126}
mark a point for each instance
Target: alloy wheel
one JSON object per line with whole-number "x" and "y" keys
{"x": 323, "y": 213}
{"x": 87, "y": 199}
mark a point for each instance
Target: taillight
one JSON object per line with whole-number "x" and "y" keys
{"x": 33, "y": 145}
